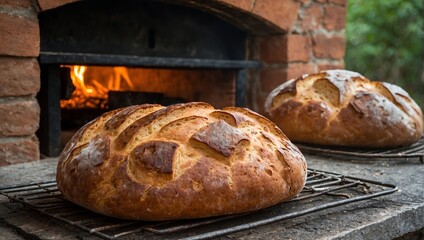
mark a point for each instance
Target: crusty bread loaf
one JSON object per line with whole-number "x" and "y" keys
{"x": 151, "y": 162}
{"x": 343, "y": 108}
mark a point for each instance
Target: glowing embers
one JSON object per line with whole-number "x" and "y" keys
{"x": 93, "y": 83}
{"x": 111, "y": 87}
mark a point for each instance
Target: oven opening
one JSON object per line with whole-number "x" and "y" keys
{"x": 111, "y": 87}
{"x": 113, "y": 55}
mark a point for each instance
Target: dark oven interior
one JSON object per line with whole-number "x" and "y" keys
{"x": 101, "y": 55}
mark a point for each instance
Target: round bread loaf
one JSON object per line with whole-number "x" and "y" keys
{"x": 150, "y": 162}
{"x": 343, "y": 108}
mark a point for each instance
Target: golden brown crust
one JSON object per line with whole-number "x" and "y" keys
{"x": 343, "y": 108}
{"x": 189, "y": 160}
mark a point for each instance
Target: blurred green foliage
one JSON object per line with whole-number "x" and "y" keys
{"x": 385, "y": 42}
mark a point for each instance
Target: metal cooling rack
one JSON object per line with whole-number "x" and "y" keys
{"x": 414, "y": 151}
{"x": 323, "y": 190}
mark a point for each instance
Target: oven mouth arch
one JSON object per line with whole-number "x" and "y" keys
{"x": 150, "y": 29}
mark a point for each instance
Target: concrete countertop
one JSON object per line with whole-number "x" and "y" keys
{"x": 400, "y": 214}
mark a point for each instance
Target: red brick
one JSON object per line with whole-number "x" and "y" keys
{"x": 303, "y": 2}
{"x": 19, "y": 118}
{"x": 273, "y": 49}
{"x": 19, "y": 150}
{"x": 20, "y": 76}
{"x": 242, "y": 4}
{"x": 19, "y": 36}
{"x": 312, "y": 17}
{"x": 49, "y": 4}
{"x": 340, "y": 2}
{"x": 322, "y": 67}
{"x": 283, "y": 49}
{"x": 282, "y": 13}
{"x": 298, "y": 48}
{"x": 16, "y": 3}
{"x": 296, "y": 70}
{"x": 271, "y": 78}
{"x": 329, "y": 47}
{"x": 334, "y": 18}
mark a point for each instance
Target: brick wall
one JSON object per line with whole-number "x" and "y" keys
{"x": 311, "y": 38}
{"x": 314, "y": 41}
{"x": 19, "y": 82}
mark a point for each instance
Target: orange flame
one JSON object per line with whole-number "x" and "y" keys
{"x": 93, "y": 92}
{"x": 78, "y": 80}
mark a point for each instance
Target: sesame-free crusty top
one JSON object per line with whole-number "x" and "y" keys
{"x": 151, "y": 162}
{"x": 343, "y": 108}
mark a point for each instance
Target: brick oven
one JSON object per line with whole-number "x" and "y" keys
{"x": 224, "y": 52}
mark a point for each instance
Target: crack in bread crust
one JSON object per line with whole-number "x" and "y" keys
{"x": 191, "y": 160}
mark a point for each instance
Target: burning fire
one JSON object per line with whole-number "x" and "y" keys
{"x": 92, "y": 91}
